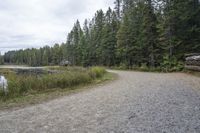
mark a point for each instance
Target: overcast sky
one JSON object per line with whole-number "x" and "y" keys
{"x": 35, "y": 23}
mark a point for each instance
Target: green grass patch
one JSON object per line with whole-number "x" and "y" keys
{"x": 32, "y": 89}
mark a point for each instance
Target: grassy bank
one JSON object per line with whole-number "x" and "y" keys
{"x": 31, "y": 89}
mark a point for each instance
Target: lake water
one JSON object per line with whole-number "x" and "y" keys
{"x": 29, "y": 70}
{"x": 19, "y": 67}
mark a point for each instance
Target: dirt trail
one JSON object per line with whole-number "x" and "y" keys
{"x": 136, "y": 102}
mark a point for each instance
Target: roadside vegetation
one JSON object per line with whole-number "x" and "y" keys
{"x": 165, "y": 67}
{"x": 64, "y": 79}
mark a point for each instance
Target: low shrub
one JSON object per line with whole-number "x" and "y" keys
{"x": 97, "y": 72}
{"x": 171, "y": 64}
{"x": 144, "y": 67}
{"x": 123, "y": 66}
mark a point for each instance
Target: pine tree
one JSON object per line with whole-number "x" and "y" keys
{"x": 1, "y": 59}
{"x": 123, "y": 41}
{"x": 118, "y": 8}
{"x": 45, "y": 59}
{"x": 181, "y": 28}
{"x": 85, "y": 39}
{"x": 149, "y": 34}
{"x": 109, "y": 40}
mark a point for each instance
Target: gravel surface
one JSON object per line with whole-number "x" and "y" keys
{"x": 136, "y": 102}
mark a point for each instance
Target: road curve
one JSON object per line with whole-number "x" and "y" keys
{"x": 136, "y": 102}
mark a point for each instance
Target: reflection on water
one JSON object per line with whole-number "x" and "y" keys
{"x": 3, "y": 84}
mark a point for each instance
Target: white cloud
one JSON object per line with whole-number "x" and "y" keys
{"x": 35, "y": 23}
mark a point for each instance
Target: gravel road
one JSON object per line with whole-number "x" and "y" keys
{"x": 136, "y": 102}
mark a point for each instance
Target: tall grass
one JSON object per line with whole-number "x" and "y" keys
{"x": 97, "y": 72}
{"x": 21, "y": 85}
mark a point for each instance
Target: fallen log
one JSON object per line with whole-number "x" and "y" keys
{"x": 193, "y": 60}
{"x": 192, "y": 54}
{"x": 193, "y": 68}
{"x": 193, "y": 63}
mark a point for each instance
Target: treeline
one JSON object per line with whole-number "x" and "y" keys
{"x": 136, "y": 33}
{"x": 37, "y": 57}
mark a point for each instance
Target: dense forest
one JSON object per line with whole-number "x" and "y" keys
{"x": 136, "y": 33}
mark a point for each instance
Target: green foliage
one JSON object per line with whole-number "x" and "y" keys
{"x": 144, "y": 67}
{"x": 97, "y": 72}
{"x": 21, "y": 85}
{"x": 123, "y": 66}
{"x": 171, "y": 64}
